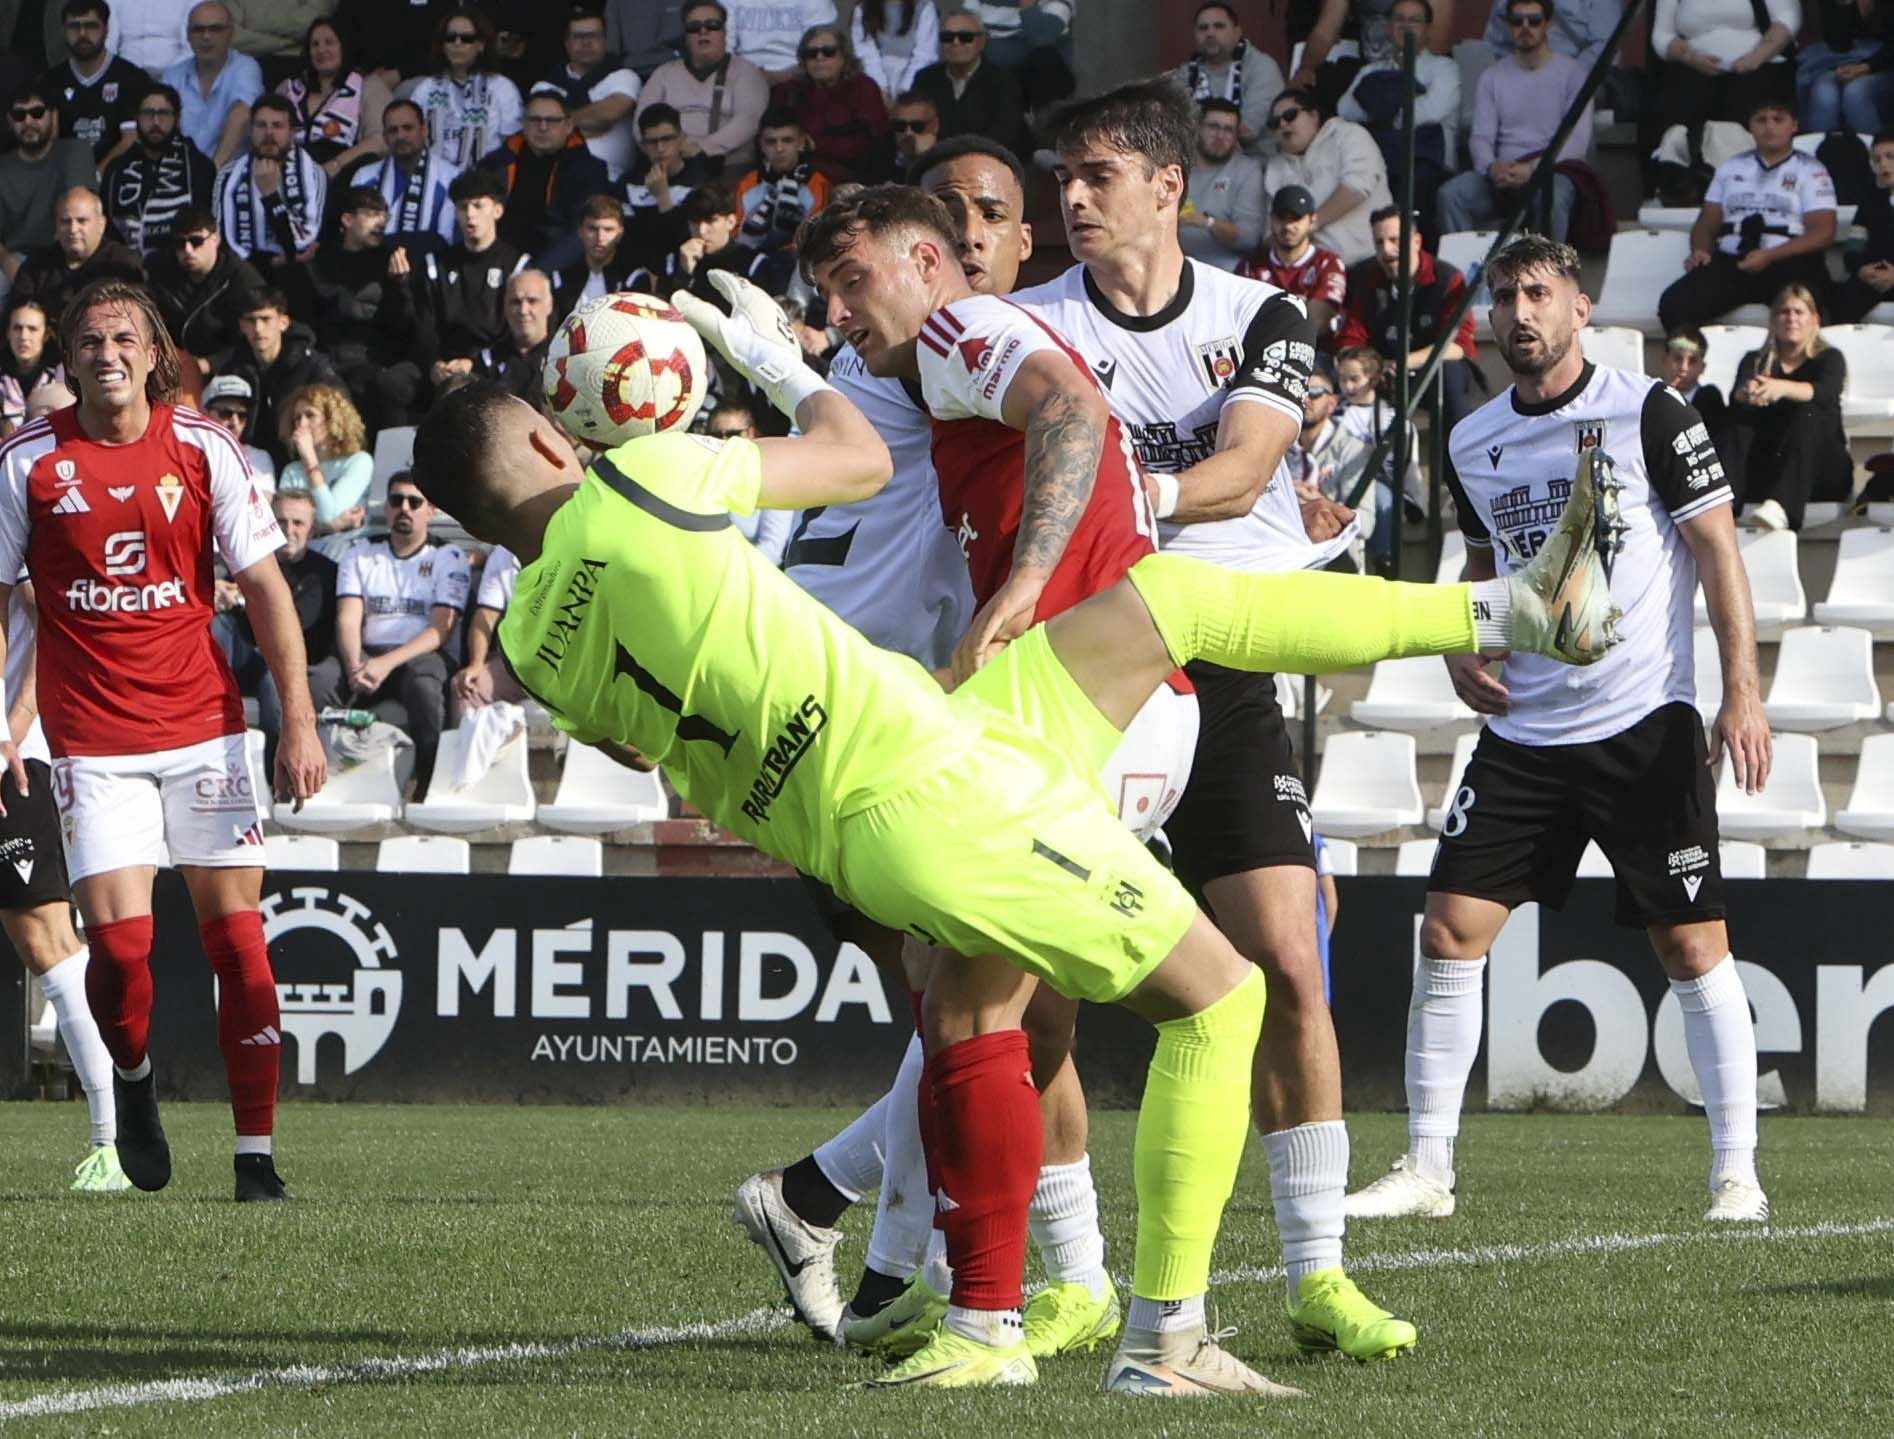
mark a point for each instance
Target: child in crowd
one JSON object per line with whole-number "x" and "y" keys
{"x": 1872, "y": 282}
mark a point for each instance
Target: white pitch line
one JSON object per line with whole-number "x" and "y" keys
{"x": 766, "y": 1320}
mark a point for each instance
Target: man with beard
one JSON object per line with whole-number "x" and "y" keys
{"x": 40, "y": 168}
{"x": 607, "y": 265}
{"x": 79, "y": 255}
{"x": 516, "y": 361}
{"x": 548, "y": 173}
{"x": 600, "y": 90}
{"x": 155, "y": 178}
{"x": 915, "y": 124}
{"x": 269, "y": 199}
{"x": 97, "y": 90}
{"x": 1294, "y": 262}
{"x": 413, "y": 180}
{"x": 1228, "y": 67}
{"x": 201, "y": 287}
{"x": 344, "y": 292}
{"x": 1222, "y": 218}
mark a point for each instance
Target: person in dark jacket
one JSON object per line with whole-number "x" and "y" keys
{"x": 715, "y": 223}
{"x": 343, "y": 294}
{"x": 839, "y": 108}
{"x": 549, "y": 173}
{"x": 200, "y": 286}
{"x": 656, "y": 186}
{"x": 607, "y": 265}
{"x": 516, "y": 362}
{"x": 79, "y": 254}
{"x": 161, "y": 175}
{"x": 276, "y": 355}
{"x": 1872, "y": 282}
{"x": 970, "y": 96}
{"x": 1685, "y": 352}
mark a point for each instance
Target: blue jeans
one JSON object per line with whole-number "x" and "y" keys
{"x": 1470, "y": 201}
{"x": 1824, "y": 103}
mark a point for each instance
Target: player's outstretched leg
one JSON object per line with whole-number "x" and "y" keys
{"x": 99, "y": 1172}
{"x": 118, "y": 990}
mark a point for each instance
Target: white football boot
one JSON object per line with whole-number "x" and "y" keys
{"x": 1402, "y": 1193}
{"x": 803, "y": 1253}
{"x": 1737, "y": 1201}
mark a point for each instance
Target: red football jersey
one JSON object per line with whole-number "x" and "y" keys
{"x": 117, "y": 541}
{"x": 1319, "y": 275}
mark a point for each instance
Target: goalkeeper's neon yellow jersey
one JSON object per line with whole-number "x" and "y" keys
{"x": 649, "y": 620}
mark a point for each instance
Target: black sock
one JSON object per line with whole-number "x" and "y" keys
{"x": 876, "y": 1292}
{"x": 808, "y": 1193}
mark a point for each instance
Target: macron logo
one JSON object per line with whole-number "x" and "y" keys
{"x": 1692, "y": 883}
{"x": 72, "y": 503}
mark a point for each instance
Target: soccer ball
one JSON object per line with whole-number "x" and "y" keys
{"x": 622, "y": 366}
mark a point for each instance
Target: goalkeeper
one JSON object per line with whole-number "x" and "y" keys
{"x": 643, "y": 620}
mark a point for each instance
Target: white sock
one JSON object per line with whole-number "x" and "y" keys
{"x": 1308, "y": 1176}
{"x": 1443, "y": 1038}
{"x": 1064, "y": 1223}
{"x": 904, "y": 1210}
{"x": 1720, "y": 1038}
{"x": 987, "y": 1326}
{"x": 143, "y": 1071}
{"x": 1492, "y": 614}
{"x": 938, "y": 1273}
{"x": 1165, "y": 1316}
{"x": 255, "y": 1144}
{"x": 64, "y": 984}
{"x": 851, "y": 1161}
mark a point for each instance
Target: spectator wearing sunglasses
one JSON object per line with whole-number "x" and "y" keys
{"x": 839, "y": 107}
{"x": 200, "y": 286}
{"x": 1337, "y": 162}
{"x": 470, "y": 106}
{"x": 916, "y": 126}
{"x": 970, "y": 96}
{"x": 719, "y": 97}
{"x": 1579, "y": 28}
{"x": 37, "y": 171}
{"x": 769, "y": 33}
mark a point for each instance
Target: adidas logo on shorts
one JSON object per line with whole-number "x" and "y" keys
{"x": 265, "y": 1036}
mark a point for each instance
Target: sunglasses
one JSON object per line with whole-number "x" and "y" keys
{"x": 910, "y": 127}
{"x": 462, "y": 37}
{"x": 229, "y": 412}
{"x": 1525, "y": 22}
{"x": 157, "y": 112}
{"x": 734, "y": 434}
{"x": 959, "y": 37}
{"x": 28, "y": 112}
{"x": 205, "y": 29}
{"x": 1316, "y": 392}
{"x": 1286, "y": 117}
{"x": 406, "y": 502}
{"x": 822, "y": 52}
{"x": 192, "y": 242}
{"x": 698, "y": 27}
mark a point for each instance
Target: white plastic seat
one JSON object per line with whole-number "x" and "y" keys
{"x": 1824, "y": 679}
{"x": 1775, "y": 581}
{"x": 1412, "y": 693}
{"x": 1466, "y": 251}
{"x": 1415, "y": 856}
{"x": 1592, "y": 864}
{"x": 302, "y": 851}
{"x": 1368, "y": 785}
{"x": 1709, "y": 672}
{"x": 1453, "y": 558}
{"x": 1289, "y": 691}
{"x": 566, "y": 854}
{"x": 1845, "y": 859}
{"x": 1869, "y": 812}
{"x": 503, "y": 795}
{"x": 1727, "y": 344}
{"x": 1642, "y": 264}
{"x": 1870, "y": 352}
{"x": 394, "y": 452}
{"x": 1342, "y": 856}
{"x": 360, "y": 794}
{"x": 1618, "y": 346}
{"x": 1863, "y": 589}
{"x": 423, "y": 854}
{"x": 597, "y": 795}
{"x": 1743, "y": 859}
{"x": 1789, "y": 803}
{"x": 1462, "y": 752}
{"x": 1653, "y": 216}
{"x": 1820, "y": 514}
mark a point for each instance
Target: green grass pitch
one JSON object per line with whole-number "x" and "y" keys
{"x": 551, "y": 1271}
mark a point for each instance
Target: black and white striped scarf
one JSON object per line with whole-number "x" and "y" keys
{"x": 1200, "y": 78}
{"x": 411, "y": 213}
{"x": 242, "y": 207}
{"x": 146, "y": 194}
{"x": 772, "y": 224}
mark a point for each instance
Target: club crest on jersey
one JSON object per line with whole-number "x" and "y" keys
{"x": 170, "y": 493}
{"x": 1218, "y": 358}
{"x": 65, "y": 472}
{"x": 1590, "y": 434}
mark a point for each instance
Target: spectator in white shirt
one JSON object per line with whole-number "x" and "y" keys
{"x": 768, "y": 33}
{"x": 895, "y": 40}
{"x": 483, "y": 680}
{"x": 600, "y": 90}
{"x": 150, "y": 33}
{"x": 1336, "y": 161}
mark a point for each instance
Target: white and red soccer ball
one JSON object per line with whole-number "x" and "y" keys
{"x": 622, "y": 366}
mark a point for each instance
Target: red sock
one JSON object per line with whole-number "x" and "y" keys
{"x": 989, "y": 1145}
{"x": 247, "y": 1016}
{"x": 118, "y": 986}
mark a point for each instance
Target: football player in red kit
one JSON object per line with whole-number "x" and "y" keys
{"x": 112, "y": 507}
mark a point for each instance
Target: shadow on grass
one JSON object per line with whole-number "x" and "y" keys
{"x": 1862, "y": 1286}
{"x": 120, "y": 1353}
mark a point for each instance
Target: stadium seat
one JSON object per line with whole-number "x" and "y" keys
{"x": 1289, "y": 692}
{"x": 1466, "y": 251}
{"x": 1641, "y": 264}
{"x": 1726, "y": 346}
{"x": 597, "y": 795}
{"x": 1592, "y": 864}
{"x": 1869, "y": 812}
{"x": 1368, "y": 785}
{"x": 1869, "y": 395}
{"x": 355, "y": 795}
{"x": 1879, "y": 512}
{"x": 567, "y": 854}
{"x": 1462, "y": 752}
{"x": 1824, "y": 679}
{"x": 1791, "y": 801}
{"x": 503, "y": 795}
{"x": 394, "y": 452}
{"x": 1742, "y": 859}
{"x": 1453, "y": 558}
{"x": 1653, "y": 216}
{"x": 1775, "y": 581}
{"x": 1412, "y": 693}
{"x": 302, "y": 851}
{"x": 1415, "y": 856}
{"x": 423, "y": 854}
{"x": 1709, "y": 661}
{"x": 1819, "y": 514}
{"x": 1343, "y": 856}
{"x": 1618, "y": 346}
{"x": 1846, "y": 859}
{"x": 1863, "y": 590}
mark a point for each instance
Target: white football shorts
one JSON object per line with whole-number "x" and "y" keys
{"x": 196, "y": 805}
{"x": 1146, "y": 774}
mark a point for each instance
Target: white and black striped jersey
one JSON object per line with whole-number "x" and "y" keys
{"x": 1510, "y": 466}
{"x": 1222, "y": 338}
{"x": 888, "y": 565}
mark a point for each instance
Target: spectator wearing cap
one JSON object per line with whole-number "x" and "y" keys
{"x": 657, "y": 185}
{"x": 1294, "y": 262}
{"x": 971, "y": 96}
{"x": 1516, "y": 111}
{"x": 719, "y": 97}
{"x": 785, "y": 189}
{"x": 644, "y": 33}
{"x": 517, "y": 361}
{"x": 915, "y": 124}
{"x": 601, "y": 90}
{"x": 413, "y": 180}
{"x": 838, "y": 107}
{"x": 39, "y": 169}
{"x": 80, "y": 254}
{"x": 1221, "y": 222}
{"x": 160, "y": 175}
{"x": 607, "y": 265}
{"x": 217, "y": 84}
{"x": 229, "y": 400}
{"x": 548, "y": 173}
{"x": 1685, "y": 353}
{"x": 1767, "y": 221}
{"x": 201, "y": 287}
{"x": 269, "y": 200}
{"x": 1335, "y": 160}
{"x": 277, "y": 356}
{"x": 1226, "y": 66}
{"x": 98, "y": 92}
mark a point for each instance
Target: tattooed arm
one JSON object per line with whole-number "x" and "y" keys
{"x": 1064, "y": 418}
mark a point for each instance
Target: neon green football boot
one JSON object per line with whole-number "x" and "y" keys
{"x": 950, "y": 1360}
{"x": 99, "y": 1173}
{"x": 1065, "y": 1319}
{"x": 900, "y": 1328}
{"x": 1331, "y": 1313}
